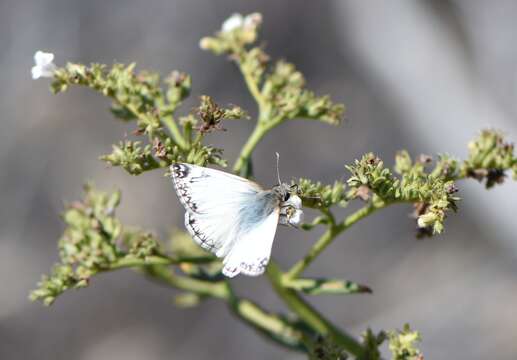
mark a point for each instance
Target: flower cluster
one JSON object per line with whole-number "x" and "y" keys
{"x": 280, "y": 92}
{"x": 402, "y": 344}
{"x": 236, "y": 32}
{"x": 212, "y": 114}
{"x": 87, "y": 246}
{"x": 284, "y": 88}
{"x": 95, "y": 240}
{"x": 435, "y": 193}
{"x": 489, "y": 157}
{"x": 144, "y": 99}
{"x": 317, "y": 195}
{"x": 237, "y": 21}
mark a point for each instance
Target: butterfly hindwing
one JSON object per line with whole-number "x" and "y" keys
{"x": 227, "y": 215}
{"x": 250, "y": 254}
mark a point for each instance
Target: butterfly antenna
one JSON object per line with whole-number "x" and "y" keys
{"x": 277, "y": 168}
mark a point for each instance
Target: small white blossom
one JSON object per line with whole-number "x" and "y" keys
{"x": 44, "y": 65}
{"x": 233, "y": 22}
{"x": 237, "y": 21}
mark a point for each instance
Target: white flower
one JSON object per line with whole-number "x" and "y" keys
{"x": 233, "y": 22}
{"x": 238, "y": 21}
{"x": 44, "y": 65}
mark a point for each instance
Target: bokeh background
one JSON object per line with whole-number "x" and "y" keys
{"x": 421, "y": 75}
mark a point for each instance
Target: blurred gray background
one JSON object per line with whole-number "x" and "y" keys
{"x": 421, "y": 75}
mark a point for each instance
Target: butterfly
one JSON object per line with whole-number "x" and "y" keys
{"x": 233, "y": 217}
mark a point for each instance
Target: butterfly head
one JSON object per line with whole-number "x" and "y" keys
{"x": 291, "y": 213}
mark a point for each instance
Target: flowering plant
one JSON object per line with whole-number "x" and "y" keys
{"x": 95, "y": 240}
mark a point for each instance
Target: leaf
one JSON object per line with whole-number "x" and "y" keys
{"x": 326, "y": 286}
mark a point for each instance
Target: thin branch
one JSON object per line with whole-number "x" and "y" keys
{"x": 328, "y": 236}
{"x": 261, "y": 129}
{"x": 252, "y": 85}
{"x": 310, "y": 315}
{"x": 128, "y": 262}
{"x": 269, "y": 325}
{"x": 169, "y": 122}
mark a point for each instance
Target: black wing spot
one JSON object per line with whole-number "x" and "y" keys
{"x": 180, "y": 171}
{"x": 179, "y": 174}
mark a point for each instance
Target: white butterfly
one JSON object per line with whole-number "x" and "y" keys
{"x": 233, "y": 217}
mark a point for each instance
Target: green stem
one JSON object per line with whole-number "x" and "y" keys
{"x": 261, "y": 129}
{"x": 127, "y": 262}
{"x": 310, "y": 315}
{"x": 171, "y": 125}
{"x": 315, "y": 250}
{"x": 168, "y": 121}
{"x": 304, "y": 311}
{"x": 253, "y": 88}
{"x": 363, "y": 212}
{"x": 255, "y": 137}
{"x": 252, "y": 85}
{"x": 264, "y": 123}
{"x": 217, "y": 290}
{"x": 135, "y": 262}
{"x": 269, "y": 325}
{"x": 328, "y": 236}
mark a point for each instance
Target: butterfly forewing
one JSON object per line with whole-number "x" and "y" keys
{"x": 227, "y": 215}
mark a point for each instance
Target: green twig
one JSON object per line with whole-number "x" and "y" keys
{"x": 328, "y": 236}
{"x": 214, "y": 289}
{"x": 269, "y": 325}
{"x": 261, "y": 129}
{"x": 252, "y": 85}
{"x": 169, "y": 122}
{"x": 310, "y": 315}
{"x": 128, "y": 262}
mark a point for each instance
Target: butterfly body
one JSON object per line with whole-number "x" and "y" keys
{"x": 233, "y": 217}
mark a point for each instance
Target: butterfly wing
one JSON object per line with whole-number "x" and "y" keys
{"x": 251, "y": 252}
{"x": 227, "y": 215}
